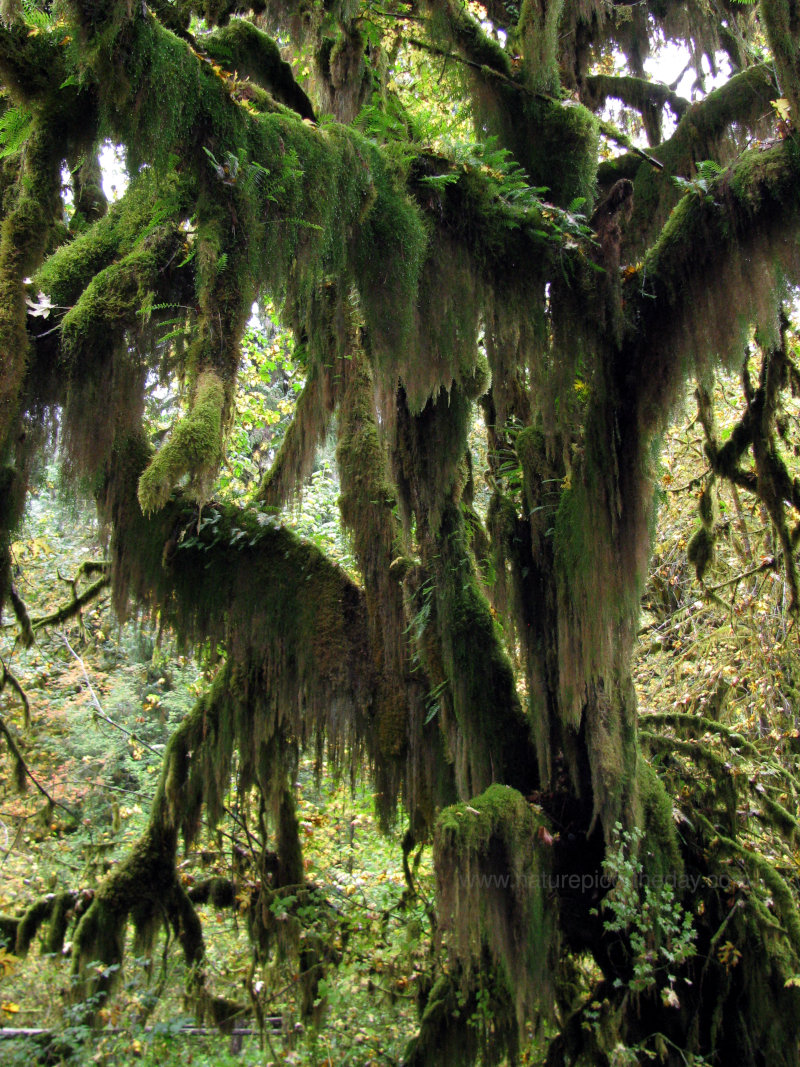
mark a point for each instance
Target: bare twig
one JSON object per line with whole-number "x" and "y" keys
{"x": 98, "y": 706}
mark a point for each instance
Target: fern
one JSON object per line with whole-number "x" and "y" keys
{"x": 15, "y": 125}
{"x": 35, "y": 16}
{"x": 707, "y": 173}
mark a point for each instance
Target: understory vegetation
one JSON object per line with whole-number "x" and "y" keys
{"x": 399, "y": 515}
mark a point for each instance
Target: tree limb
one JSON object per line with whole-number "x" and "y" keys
{"x": 74, "y": 606}
{"x": 637, "y": 93}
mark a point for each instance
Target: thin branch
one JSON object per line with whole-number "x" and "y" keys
{"x": 98, "y": 707}
{"x": 609, "y": 130}
{"x": 23, "y": 696}
{"x": 23, "y": 771}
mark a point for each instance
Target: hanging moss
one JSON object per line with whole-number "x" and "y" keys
{"x": 295, "y": 460}
{"x": 538, "y": 31}
{"x": 599, "y": 559}
{"x": 293, "y": 620}
{"x": 366, "y": 505}
{"x": 447, "y": 322}
{"x": 115, "y": 298}
{"x": 704, "y": 132}
{"x": 737, "y": 246}
{"x": 388, "y": 295}
{"x": 90, "y": 201}
{"x": 24, "y": 234}
{"x": 492, "y": 871}
{"x": 660, "y": 855}
{"x": 780, "y": 22}
{"x": 561, "y": 152}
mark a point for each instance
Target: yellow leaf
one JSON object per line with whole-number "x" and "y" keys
{"x": 7, "y": 963}
{"x": 783, "y": 108}
{"x": 9, "y": 1007}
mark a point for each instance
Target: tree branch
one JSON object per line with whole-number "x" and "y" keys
{"x": 98, "y": 708}
{"x": 21, "y": 769}
{"x": 637, "y": 93}
{"x": 74, "y": 607}
{"x": 734, "y": 244}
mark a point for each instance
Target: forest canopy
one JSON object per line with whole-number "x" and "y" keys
{"x": 466, "y": 216}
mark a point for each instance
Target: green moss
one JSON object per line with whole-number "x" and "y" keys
{"x": 737, "y": 250}
{"x": 388, "y": 295}
{"x": 444, "y": 349}
{"x": 538, "y": 28}
{"x": 30, "y": 214}
{"x": 113, "y": 299}
{"x": 598, "y": 565}
{"x": 195, "y": 447}
{"x": 561, "y": 150}
{"x": 453, "y": 22}
{"x": 35, "y": 917}
{"x": 242, "y": 48}
{"x": 492, "y": 871}
{"x": 703, "y": 133}
{"x": 660, "y": 856}
{"x": 69, "y": 270}
{"x": 367, "y": 504}
{"x": 295, "y": 460}
{"x": 491, "y": 737}
{"x": 781, "y": 23}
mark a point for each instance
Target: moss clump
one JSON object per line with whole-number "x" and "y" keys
{"x": 660, "y": 856}
{"x": 69, "y": 270}
{"x": 492, "y": 871}
{"x": 195, "y": 448}
{"x": 561, "y": 149}
{"x": 252, "y": 54}
{"x": 115, "y": 298}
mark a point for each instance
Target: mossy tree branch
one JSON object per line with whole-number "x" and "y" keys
{"x": 74, "y": 606}
{"x": 716, "y": 246}
{"x": 770, "y": 482}
{"x": 637, "y": 93}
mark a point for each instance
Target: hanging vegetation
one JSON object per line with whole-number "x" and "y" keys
{"x": 425, "y": 193}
